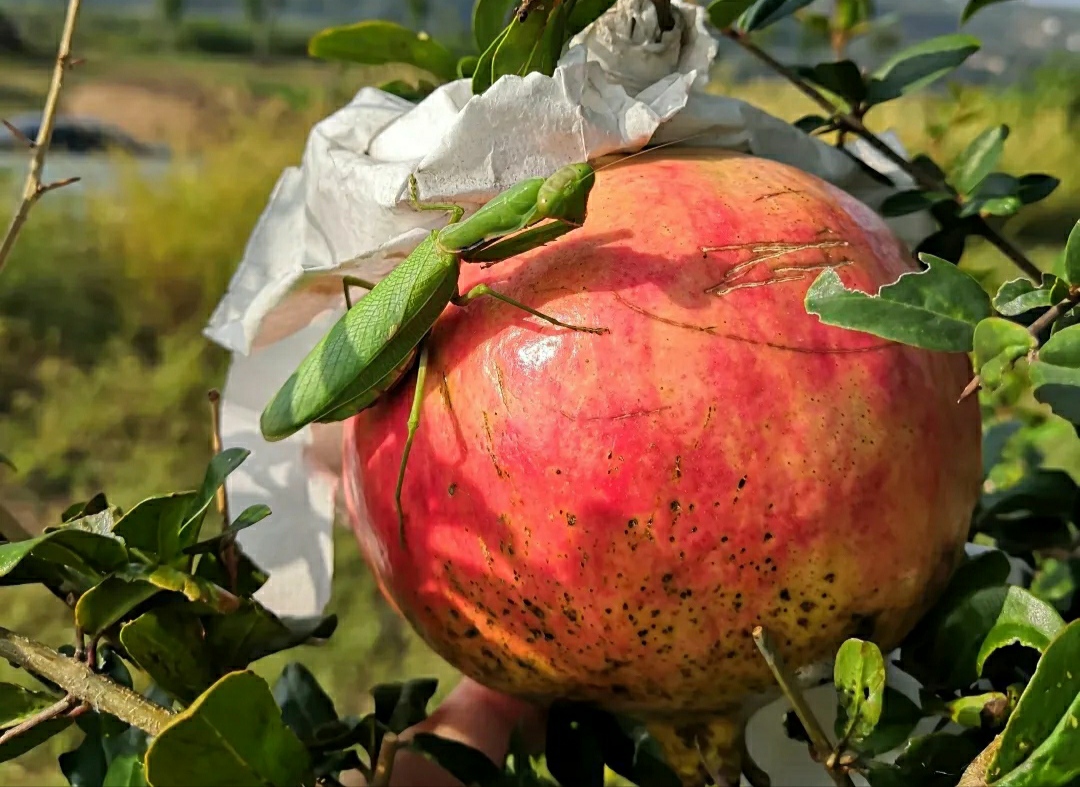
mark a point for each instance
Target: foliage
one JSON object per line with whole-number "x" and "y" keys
{"x": 156, "y": 589}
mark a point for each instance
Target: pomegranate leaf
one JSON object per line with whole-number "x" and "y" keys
{"x": 982, "y": 711}
{"x": 1056, "y": 374}
{"x": 168, "y": 645}
{"x": 919, "y": 65}
{"x": 767, "y": 12}
{"x": 253, "y": 632}
{"x": 251, "y": 515}
{"x": 724, "y": 13}
{"x": 1041, "y": 741}
{"x": 974, "y": 6}
{"x": 18, "y": 704}
{"x": 78, "y": 550}
{"x": 110, "y": 602}
{"x": 859, "y": 675}
{"x": 584, "y": 12}
{"x": 249, "y": 577}
{"x": 935, "y": 309}
{"x": 935, "y": 760}
{"x": 401, "y": 705}
{"x": 125, "y": 771}
{"x": 465, "y": 763}
{"x": 220, "y": 467}
{"x": 899, "y": 716}
{"x": 1072, "y": 256}
{"x": 842, "y": 78}
{"x": 1036, "y": 187}
{"x": 206, "y": 745}
{"x": 153, "y": 526}
{"x": 488, "y": 20}
{"x": 978, "y": 160}
{"x": 998, "y": 343}
{"x": 305, "y": 707}
{"x": 32, "y": 738}
{"x": 376, "y": 42}
{"x": 531, "y": 42}
{"x": 1015, "y": 297}
{"x": 904, "y": 202}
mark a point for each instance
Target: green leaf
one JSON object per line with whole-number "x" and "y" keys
{"x": 974, "y": 6}
{"x": 859, "y": 675}
{"x": 489, "y": 19}
{"x": 251, "y": 515}
{"x": 1055, "y": 376}
{"x": 899, "y": 717}
{"x": 168, "y": 645}
{"x": 767, "y": 12}
{"x": 5, "y": 461}
{"x": 126, "y": 771}
{"x": 220, "y": 467}
{"x": 979, "y": 159}
{"x": 998, "y": 343}
{"x": 584, "y": 13}
{"x": 153, "y": 526}
{"x": 249, "y": 577}
{"x": 253, "y": 632}
{"x": 920, "y": 65}
{"x": 32, "y": 738}
{"x": 983, "y": 711}
{"x": 534, "y": 44}
{"x": 918, "y": 652}
{"x": 206, "y": 745}
{"x": 99, "y": 522}
{"x": 1072, "y": 256}
{"x": 1023, "y": 295}
{"x": 86, "y": 764}
{"x": 1041, "y": 742}
{"x": 724, "y": 13}
{"x": 936, "y": 309}
{"x": 304, "y": 705}
{"x": 401, "y": 705}
{"x": 935, "y": 760}
{"x": 904, "y": 202}
{"x": 18, "y": 704}
{"x": 463, "y": 762}
{"x": 76, "y": 549}
{"x": 110, "y": 602}
{"x": 208, "y": 596}
{"x": 811, "y": 123}
{"x": 988, "y": 620}
{"x": 1037, "y": 187}
{"x": 842, "y": 78}
{"x": 377, "y": 42}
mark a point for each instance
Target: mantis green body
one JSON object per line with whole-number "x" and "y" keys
{"x": 377, "y": 342}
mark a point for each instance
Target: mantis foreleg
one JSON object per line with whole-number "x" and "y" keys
{"x": 481, "y": 290}
{"x": 456, "y": 211}
{"x": 414, "y": 423}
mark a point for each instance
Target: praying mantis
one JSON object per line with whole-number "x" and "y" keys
{"x": 381, "y": 338}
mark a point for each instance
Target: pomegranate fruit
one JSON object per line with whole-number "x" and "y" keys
{"x": 606, "y": 517}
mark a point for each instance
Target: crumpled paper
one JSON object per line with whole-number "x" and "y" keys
{"x": 621, "y": 83}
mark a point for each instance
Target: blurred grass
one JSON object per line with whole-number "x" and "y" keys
{"x": 104, "y": 371}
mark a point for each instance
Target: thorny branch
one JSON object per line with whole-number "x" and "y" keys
{"x": 35, "y": 188}
{"x": 844, "y": 121}
{"x": 1045, "y": 320}
{"x": 83, "y": 684}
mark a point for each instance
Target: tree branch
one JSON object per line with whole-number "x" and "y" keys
{"x": 83, "y": 683}
{"x": 820, "y": 741}
{"x": 34, "y": 188}
{"x": 849, "y": 122}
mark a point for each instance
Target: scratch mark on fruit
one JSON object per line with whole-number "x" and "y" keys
{"x": 491, "y": 448}
{"x": 711, "y": 330}
{"x": 488, "y": 557}
{"x": 619, "y": 417}
{"x": 444, "y": 389}
{"x": 778, "y": 194}
{"x": 798, "y": 273}
{"x": 705, "y": 426}
{"x": 763, "y": 252}
{"x": 501, "y": 384}
{"x": 677, "y": 471}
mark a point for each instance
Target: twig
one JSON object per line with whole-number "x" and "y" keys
{"x": 787, "y": 682}
{"x": 51, "y": 712}
{"x": 230, "y": 561}
{"x": 850, "y": 122}
{"x": 384, "y": 767}
{"x": 34, "y": 188}
{"x": 83, "y": 683}
{"x": 1045, "y": 320}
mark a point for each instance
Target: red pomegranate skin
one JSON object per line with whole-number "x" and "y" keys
{"x": 607, "y": 517}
